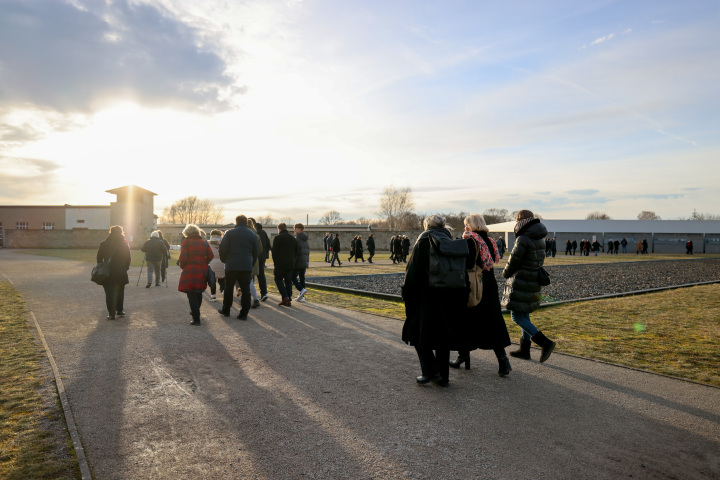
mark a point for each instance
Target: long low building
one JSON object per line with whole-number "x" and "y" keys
{"x": 663, "y": 236}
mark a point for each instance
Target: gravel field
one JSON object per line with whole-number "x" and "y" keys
{"x": 572, "y": 281}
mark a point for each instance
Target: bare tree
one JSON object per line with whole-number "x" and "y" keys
{"x": 496, "y": 215}
{"x": 395, "y": 203}
{"x": 703, "y": 216}
{"x": 648, "y": 215}
{"x": 331, "y": 218}
{"x": 192, "y": 210}
{"x": 266, "y": 220}
{"x": 597, "y": 215}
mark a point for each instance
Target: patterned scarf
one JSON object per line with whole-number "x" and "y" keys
{"x": 522, "y": 223}
{"x": 484, "y": 254}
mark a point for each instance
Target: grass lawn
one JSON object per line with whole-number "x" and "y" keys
{"x": 676, "y": 332}
{"x": 28, "y": 448}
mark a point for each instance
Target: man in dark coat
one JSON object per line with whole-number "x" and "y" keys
{"x": 155, "y": 253}
{"x": 397, "y": 249}
{"x": 405, "y": 248}
{"x": 326, "y": 246}
{"x": 238, "y": 251}
{"x": 116, "y": 250}
{"x": 616, "y": 243}
{"x": 284, "y": 252}
{"x": 522, "y": 290}
{"x": 335, "y": 245}
{"x": 265, "y": 241}
{"x": 574, "y": 246}
{"x": 352, "y": 248}
{"x": 302, "y": 261}
{"x": 624, "y": 244}
{"x": 371, "y": 247}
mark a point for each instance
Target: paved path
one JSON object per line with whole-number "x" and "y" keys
{"x": 317, "y": 392}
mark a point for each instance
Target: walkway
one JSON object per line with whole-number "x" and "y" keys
{"x": 313, "y": 391}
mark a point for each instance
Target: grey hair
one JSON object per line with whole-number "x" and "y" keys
{"x": 155, "y": 234}
{"x": 476, "y": 223}
{"x": 435, "y": 221}
{"x": 191, "y": 229}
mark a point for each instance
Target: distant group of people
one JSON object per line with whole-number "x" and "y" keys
{"x": 399, "y": 248}
{"x": 441, "y": 309}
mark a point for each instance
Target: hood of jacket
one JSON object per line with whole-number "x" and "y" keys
{"x": 533, "y": 229}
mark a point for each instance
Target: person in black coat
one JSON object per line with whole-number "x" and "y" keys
{"x": 116, "y": 250}
{"x": 522, "y": 289}
{"x": 335, "y": 245}
{"x": 284, "y": 252}
{"x": 487, "y": 325}
{"x": 359, "y": 249}
{"x": 574, "y": 246}
{"x": 352, "y": 248}
{"x": 397, "y": 249}
{"x": 435, "y": 318}
{"x": 405, "y": 248}
{"x": 262, "y": 258}
{"x": 370, "y": 243}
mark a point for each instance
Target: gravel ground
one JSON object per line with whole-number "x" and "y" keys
{"x": 572, "y": 281}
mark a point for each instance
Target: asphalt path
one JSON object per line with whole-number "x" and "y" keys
{"x": 313, "y": 391}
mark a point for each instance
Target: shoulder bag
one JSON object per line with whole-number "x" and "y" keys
{"x": 475, "y": 278}
{"x": 543, "y": 277}
{"x": 101, "y": 272}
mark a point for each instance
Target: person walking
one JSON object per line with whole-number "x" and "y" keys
{"x": 116, "y": 250}
{"x": 216, "y": 264}
{"x": 155, "y": 253}
{"x": 574, "y": 246}
{"x": 596, "y": 247}
{"x": 326, "y": 246}
{"x": 568, "y": 248}
{"x": 487, "y": 325}
{"x": 435, "y": 318}
{"x": 397, "y": 249}
{"x": 610, "y": 247}
{"x": 302, "y": 261}
{"x": 262, "y": 258}
{"x": 501, "y": 246}
{"x": 238, "y": 251}
{"x": 195, "y": 255}
{"x": 335, "y": 246}
{"x": 522, "y": 289}
{"x": 370, "y": 243}
{"x": 359, "y": 249}
{"x": 639, "y": 247}
{"x": 165, "y": 263}
{"x": 284, "y": 252}
{"x": 352, "y": 248}
{"x": 256, "y": 267}
{"x": 644, "y": 246}
{"x": 405, "y": 248}
{"x": 624, "y": 244}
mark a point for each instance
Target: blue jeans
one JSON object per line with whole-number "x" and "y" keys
{"x": 523, "y": 321}
{"x": 283, "y": 282}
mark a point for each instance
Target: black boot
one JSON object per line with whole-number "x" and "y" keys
{"x": 547, "y": 345}
{"x": 504, "y": 366}
{"x": 524, "y": 351}
{"x": 463, "y": 357}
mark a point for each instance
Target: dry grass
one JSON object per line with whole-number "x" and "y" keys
{"x": 84, "y": 254}
{"x": 676, "y": 332}
{"x": 28, "y": 449}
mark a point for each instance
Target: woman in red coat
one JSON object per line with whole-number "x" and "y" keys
{"x": 195, "y": 254}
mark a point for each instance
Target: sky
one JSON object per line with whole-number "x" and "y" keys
{"x": 294, "y": 108}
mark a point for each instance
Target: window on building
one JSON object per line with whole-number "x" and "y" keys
{"x": 48, "y": 226}
{"x": 21, "y": 225}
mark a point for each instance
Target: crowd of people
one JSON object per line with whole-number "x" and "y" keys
{"x": 448, "y": 308}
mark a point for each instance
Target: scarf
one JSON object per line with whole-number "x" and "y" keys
{"x": 522, "y": 223}
{"x": 483, "y": 248}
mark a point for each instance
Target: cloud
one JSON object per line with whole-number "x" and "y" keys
{"x": 24, "y": 179}
{"x": 586, "y": 192}
{"x": 602, "y": 39}
{"x": 66, "y": 58}
{"x": 658, "y": 196}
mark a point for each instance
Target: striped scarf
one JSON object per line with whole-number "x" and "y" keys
{"x": 522, "y": 223}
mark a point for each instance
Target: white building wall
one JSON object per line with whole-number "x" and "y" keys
{"x": 93, "y": 218}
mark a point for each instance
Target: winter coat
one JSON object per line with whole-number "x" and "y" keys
{"x": 335, "y": 244}
{"x": 370, "y": 244}
{"x": 397, "y": 246}
{"x": 116, "y": 249}
{"x": 195, "y": 254}
{"x": 256, "y": 266}
{"x": 435, "y": 318}
{"x": 596, "y": 246}
{"x": 284, "y": 251}
{"x": 216, "y": 264}
{"x": 405, "y": 246}
{"x": 359, "y": 247}
{"x": 154, "y": 250}
{"x": 303, "y": 258}
{"x": 352, "y": 246}
{"x": 239, "y": 249}
{"x": 486, "y": 322}
{"x": 264, "y": 240}
{"x": 522, "y": 290}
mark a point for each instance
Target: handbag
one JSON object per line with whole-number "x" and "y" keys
{"x": 543, "y": 277}
{"x": 101, "y": 272}
{"x": 475, "y": 278}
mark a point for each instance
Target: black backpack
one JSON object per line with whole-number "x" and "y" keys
{"x": 447, "y": 262}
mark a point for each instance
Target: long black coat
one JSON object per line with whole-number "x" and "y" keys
{"x": 487, "y": 325}
{"x": 370, "y": 244}
{"x": 522, "y": 290}
{"x": 435, "y": 318}
{"x": 116, "y": 249}
{"x": 284, "y": 251}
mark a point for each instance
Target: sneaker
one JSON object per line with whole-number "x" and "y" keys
{"x": 255, "y": 304}
{"x": 263, "y": 298}
{"x": 223, "y": 313}
{"x": 239, "y": 292}
{"x": 120, "y": 313}
{"x": 301, "y": 300}
{"x": 148, "y": 285}
{"x": 213, "y": 298}
{"x": 301, "y": 293}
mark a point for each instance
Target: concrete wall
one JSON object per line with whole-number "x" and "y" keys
{"x": 54, "y": 238}
{"x": 91, "y": 218}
